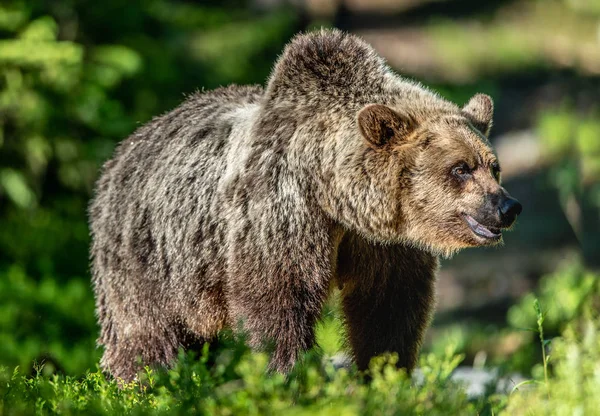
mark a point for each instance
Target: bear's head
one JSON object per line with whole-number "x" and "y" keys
{"x": 391, "y": 160}
{"x": 449, "y": 182}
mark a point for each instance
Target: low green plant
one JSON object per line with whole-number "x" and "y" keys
{"x": 544, "y": 344}
{"x": 237, "y": 383}
{"x": 572, "y": 385}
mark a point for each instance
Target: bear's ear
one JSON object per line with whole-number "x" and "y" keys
{"x": 379, "y": 125}
{"x": 480, "y": 110}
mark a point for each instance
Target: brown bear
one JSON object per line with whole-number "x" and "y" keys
{"x": 247, "y": 205}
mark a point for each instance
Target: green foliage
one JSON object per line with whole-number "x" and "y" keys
{"x": 562, "y": 295}
{"x": 569, "y": 140}
{"x": 566, "y": 135}
{"x": 566, "y": 381}
{"x": 239, "y": 384}
{"x": 573, "y": 386}
{"x": 61, "y": 107}
{"x": 37, "y": 334}
{"x": 330, "y": 332}
{"x": 43, "y": 82}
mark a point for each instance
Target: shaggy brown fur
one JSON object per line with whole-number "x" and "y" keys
{"x": 247, "y": 205}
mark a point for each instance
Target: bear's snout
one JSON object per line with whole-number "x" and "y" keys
{"x": 508, "y": 210}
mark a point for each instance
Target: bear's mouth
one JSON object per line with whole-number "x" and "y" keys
{"x": 490, "y": 233}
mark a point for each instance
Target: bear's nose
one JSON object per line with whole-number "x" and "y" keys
{"x": 509, "y": 209}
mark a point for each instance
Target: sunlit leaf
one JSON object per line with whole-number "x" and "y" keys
{"x": 16, "y": 188}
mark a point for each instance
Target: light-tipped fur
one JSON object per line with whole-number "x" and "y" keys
{"x": 248, "y": 205}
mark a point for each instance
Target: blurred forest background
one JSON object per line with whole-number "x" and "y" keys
{"x": 77, "y": 76}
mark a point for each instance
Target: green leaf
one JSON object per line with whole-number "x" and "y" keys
{"x": 12, "y": 17}
{"x": 42, "y": 29}
{"x": 15, "y": 186}
{"x": 121, "y": 58}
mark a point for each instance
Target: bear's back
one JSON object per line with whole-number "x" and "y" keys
{"x": 154, "y": 214}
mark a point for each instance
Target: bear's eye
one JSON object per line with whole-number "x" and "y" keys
{"x": 461, "y": 170}
{"x": 496, "y": 171}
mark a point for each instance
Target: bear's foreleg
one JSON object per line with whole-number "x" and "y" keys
{"x": 388, "y": 298}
